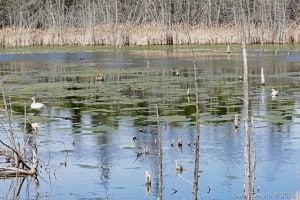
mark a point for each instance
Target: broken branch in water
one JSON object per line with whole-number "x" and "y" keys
{"x": 19, "y": 170}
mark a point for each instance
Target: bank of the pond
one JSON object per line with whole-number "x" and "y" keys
{"x": 148, "y": 34}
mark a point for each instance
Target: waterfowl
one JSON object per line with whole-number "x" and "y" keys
{"x": 148, "y": 178}
{"x": 179, "y": 167}
{"x": 99, "y": 77}
{"x": 274, "y": 93}
{"x": 134, "y": 138}
{"x": 138, "y": 154}
{"x": 241, "y": 78}
{"x": 179, "y": 143}
{"x": 141, "y": 130}
{"x": 36, "y": 105}
{"x": 177, "y": 73}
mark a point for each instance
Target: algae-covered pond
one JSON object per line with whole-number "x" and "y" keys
{"x": 89, "y": 135}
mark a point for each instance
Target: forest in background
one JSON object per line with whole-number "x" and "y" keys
{"x": 146, "y": 22}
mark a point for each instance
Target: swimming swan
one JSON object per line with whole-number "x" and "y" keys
{"x": 36, "y": 105}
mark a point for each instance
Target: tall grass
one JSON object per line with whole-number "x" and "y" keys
{"x": 147, "y": 34}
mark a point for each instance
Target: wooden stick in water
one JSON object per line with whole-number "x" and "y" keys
{"x": 262, "y": 76}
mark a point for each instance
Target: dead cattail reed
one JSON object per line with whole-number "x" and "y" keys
{"x": 134, "y": 34}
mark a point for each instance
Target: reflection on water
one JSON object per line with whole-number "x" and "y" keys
{"x": 89, "y": 141}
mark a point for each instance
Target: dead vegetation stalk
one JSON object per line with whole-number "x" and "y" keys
{"x": 121, "y": 34}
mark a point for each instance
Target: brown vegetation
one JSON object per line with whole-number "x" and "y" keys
{"x": 131, "y": 34}
{"x": 144, "y": 22}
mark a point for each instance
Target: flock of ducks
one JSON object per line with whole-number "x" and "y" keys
{"x": 146, "y": 151}
{"x": 180, "y": 143}
{"x": 179, "y": 167}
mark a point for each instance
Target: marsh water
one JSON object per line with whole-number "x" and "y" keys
{"x": 97, "y": 139}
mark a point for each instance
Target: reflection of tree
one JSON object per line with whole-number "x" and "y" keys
{"x": 223, "y": 102}
{"x": 76, "y": 112}
{"x": 280, "y": 110}
{"x": 104, "y": 158}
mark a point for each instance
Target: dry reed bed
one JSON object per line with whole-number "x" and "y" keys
{"x": 148, "y": 34}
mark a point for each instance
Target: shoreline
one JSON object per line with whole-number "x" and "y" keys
{"x": 143, "y": 35}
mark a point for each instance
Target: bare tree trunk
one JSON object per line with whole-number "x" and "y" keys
{"x": 197, "y": 131}
{"x": 160, "y": 180}
{"x": 248, "y": 185}
{"x": 116, "y": 23}
{"x": 197, "y": 140}
{"x": 209, "y": 13}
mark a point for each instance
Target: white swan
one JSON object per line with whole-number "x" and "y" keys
{"x": 36, "y": 105}
{"x": 274, "y": 93}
